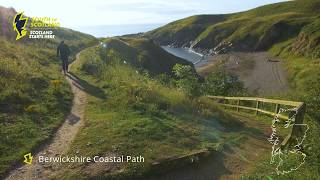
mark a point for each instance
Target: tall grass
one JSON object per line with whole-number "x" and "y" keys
{"x": 34, "y": 96}
{"x": 140, "y": 116}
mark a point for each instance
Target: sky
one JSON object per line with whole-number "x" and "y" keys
{"x": 75, "y": 13}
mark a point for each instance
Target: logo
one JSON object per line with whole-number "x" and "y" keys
{"x": 39, "y": 27}
{"x": 27, "y": 158}
{"x": 19, "y": 25}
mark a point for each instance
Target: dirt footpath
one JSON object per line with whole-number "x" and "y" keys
{"x": 260, "y": 73}
{"x": 60, "y": 142}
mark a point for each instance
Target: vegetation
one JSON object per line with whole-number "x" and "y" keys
{"x": 143, "y": 54}
{"x": 187, "y": 80}
{"x": 304, "y": 79}
{"x": 182, "y": 32}
{"x": 145, "y": 108}
{"x": 309, "y": 169}
{"x": 303, "y": 76}
{"x": 33, "y": 100}
{"x": 34, "y": 96}
{"x": 256, "y": 29}
{"x": 289, "y": 30}
{"x": 220, "y": 83}
{"x": 135, "y": 114}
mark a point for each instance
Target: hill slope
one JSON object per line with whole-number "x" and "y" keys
{"x": 131, "y": 113}
{"x": 76, "y": 40}
{"x": 289, "y": 30}
{"x": 141, "y": 53}
{"x": 34, "y": 97}
{"x": 182, "y": 32}
{"x": 256, "y": 29}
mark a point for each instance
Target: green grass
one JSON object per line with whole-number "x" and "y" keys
{"x": 129, "y": 112}
{"x": 256, "y": 29}
{"x": 247, "y": 33}
{"x": 143, "y": 54}
{"x": 289, "y": 30}
{"x": 297, "y": 6}
{"x": 31, "y": 105}
{"x": 34, "y": 96}
{"x": 303, "y": 76}
{"x": 303, "y": 71}
{"x": 309, "y": 170}
{"x": 139, "y": 116}
{"x": 183, "y": 31}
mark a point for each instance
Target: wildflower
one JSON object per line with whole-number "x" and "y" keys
{"x": 55, "y": 83}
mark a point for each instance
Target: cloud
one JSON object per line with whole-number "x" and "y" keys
{"x": 104, "y": 12}
{"x": 155, "y": 6}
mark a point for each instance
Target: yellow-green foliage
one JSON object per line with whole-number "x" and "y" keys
{"x": 140, "y": 116}
{"x": 34, "y": 96}
{"x": 256, "y": 29}
{"x": 184, "y": 30}
{"x": 29, "y": 107}
{"x": 139, "y": 52}
{"x": 304, "y": 78}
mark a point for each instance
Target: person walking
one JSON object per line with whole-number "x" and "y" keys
{"x": 63, "y": 51}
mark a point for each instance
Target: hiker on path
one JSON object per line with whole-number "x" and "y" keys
{"x": 63, "y": 51}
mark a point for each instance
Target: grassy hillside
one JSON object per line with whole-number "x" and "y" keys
{"x": 76, "y": 40}
{"x": 307, "y": 43}
{"x": 256, "y": 29}
{"x": 34, "y": 96}
{"x": 182, "y": 32}
{"x": 289, "y": 30}
{"x": 141, "y": 53}
{"x": 130, "y": 113}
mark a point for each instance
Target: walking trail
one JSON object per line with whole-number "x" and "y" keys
{"x": 60, "y": 142}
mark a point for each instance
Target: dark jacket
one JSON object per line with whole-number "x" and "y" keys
{"x": 63, "y": 50}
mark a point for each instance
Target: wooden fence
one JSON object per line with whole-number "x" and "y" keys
{"x": 300, "y": 108}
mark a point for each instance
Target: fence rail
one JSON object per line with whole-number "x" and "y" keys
{"x": 300, "y": 108}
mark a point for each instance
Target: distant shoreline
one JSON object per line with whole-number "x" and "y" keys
{"x": 187, "y": 54}
{"x": 116, "y": 30}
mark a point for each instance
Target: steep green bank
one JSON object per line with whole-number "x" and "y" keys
{"x": 143, "y": 54}
{"x": 34, "y": 96}
{"x": 288, "y": 29}
{"x": 256, "y": 29}
{"x": 182, "y": 32}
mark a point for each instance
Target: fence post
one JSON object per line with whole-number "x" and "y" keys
{"x": 238, "y": 104}
{"x": 297, "y": 130}
{"x": 276, "y": 111}
{"x": 257, "y": 106}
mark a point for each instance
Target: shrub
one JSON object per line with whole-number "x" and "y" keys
{"x": 222, "y": 83}
{"x": 187, "y": 80}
